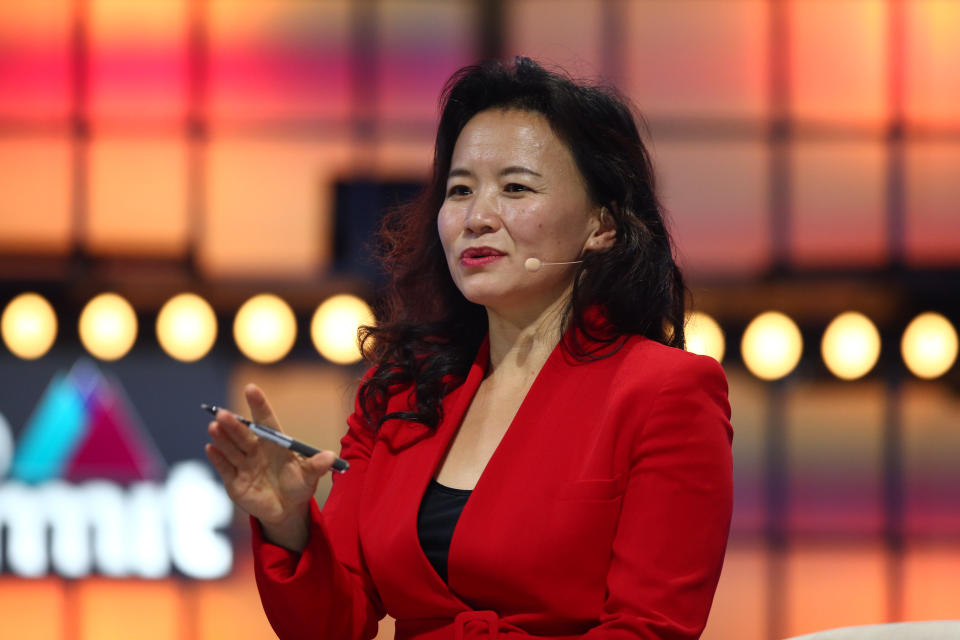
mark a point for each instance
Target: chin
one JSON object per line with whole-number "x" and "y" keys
{"x": 484, "y": 298}
{"x": 482, "y": 295}
{"x": 504, "y": 302}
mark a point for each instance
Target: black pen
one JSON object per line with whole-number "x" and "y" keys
{"x": 281, "y": 439}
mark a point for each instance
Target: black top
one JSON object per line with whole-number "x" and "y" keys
{"x": 439, "y": 512}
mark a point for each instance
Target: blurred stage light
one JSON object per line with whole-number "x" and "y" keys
{"x": 334, "y": 327}
{"x": 265, "y": 328}
{"x": 28, "y": 326}
{"x": 771, "y": 345}
{"x": 850, "y": 345}
{"x": 704, "y": 336}
{"x": 108, "y": 326}
{"x": 929, "y": 345}
{"x": 186, "y": 327}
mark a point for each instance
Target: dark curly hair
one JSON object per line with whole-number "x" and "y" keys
{"x": 427, "y": 334}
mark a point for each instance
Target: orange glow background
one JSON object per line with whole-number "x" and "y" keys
{"x": 185, "y": 129}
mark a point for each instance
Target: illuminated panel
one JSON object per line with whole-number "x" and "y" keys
{"x": 837, "y": 57}
{"x": 738, "y": 606}
{"x": 420, "y": 44}
{"x": 571, "y": 38}
{"x": 403, "y": 160}
{"x": 839, "y": 204}
{"x": 830, "y": 586}
{"x": 269, "y": 207}
{"x": 35, "y": 59}
{"x": 715, "y": 194}
{"x": 119, "y": 609}
{"x": 930, "y": 581}
{"x": 931, "y": 475}
{"x": 748, "y": 407}
{"x": 230, "y": 608}
{"x": 932, "y": 223}
{"x": 35, "y": 181}
{"x": 834, "y": 439}
{"x": 138, "y": 59}
{"x": 279, "y": 58}
{"x": 932, "y": 62}
{"x": 138, "y": 197}
{"x": 697, "y": 58}
{"x": 32, "y": 608}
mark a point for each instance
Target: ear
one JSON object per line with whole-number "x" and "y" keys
{"x": 605, "y": 233}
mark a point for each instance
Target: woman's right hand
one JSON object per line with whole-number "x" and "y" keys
{"x": 269, "y": 482}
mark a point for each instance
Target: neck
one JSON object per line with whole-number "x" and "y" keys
{"x": 525, "y": 341}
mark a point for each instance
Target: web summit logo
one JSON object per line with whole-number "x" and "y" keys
{"x": 86, "y": 492}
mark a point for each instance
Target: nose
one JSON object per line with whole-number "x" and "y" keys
{"x": 483, "y": 216}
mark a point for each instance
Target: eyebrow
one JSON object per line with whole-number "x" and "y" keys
{"x": 466, "y": 173}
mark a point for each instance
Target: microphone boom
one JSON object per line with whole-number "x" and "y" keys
{"x": 534, "y": 264}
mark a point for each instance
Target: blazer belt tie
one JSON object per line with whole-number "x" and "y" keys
{"x": 468, "y": 625}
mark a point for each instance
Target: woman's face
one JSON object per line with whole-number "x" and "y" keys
{"x": 514, "y": 192}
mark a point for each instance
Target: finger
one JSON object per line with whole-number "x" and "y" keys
{"x": 259, "y": 407}
{"x": 319, "y": 463}
{"x": 226, "y": 444}
{"x": 239, "y": 433}
{"x": 226, "y": 470}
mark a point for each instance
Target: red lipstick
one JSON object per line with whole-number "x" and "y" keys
{"x": 480, "y": 256}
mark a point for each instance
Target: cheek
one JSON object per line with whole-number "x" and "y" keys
{"x": 445, "y": 229}
{"x": 536, "y": 224}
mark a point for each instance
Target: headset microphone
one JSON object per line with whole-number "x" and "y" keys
{"x": 534, "y": 264}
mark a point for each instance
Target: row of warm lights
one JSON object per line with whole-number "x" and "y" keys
{"x": 264, "y": 329}
{"x": 772, "y": 345}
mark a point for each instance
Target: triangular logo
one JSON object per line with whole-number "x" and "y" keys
{"x": 82, "y": 428}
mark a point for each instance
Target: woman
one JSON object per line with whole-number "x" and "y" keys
{"x": 527, "y": 389}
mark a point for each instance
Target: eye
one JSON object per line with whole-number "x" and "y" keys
{"x": 514, "y": 187}
{"x": 458, "y": 190}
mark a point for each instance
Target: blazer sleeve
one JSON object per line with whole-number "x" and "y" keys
{"x": 325, "y": 591}
{"x": 672, "y": 535}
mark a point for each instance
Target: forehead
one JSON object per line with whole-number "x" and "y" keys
{"x": 513, "y": 137}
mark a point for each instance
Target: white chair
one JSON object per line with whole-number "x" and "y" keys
{"x": 927, "y": 630}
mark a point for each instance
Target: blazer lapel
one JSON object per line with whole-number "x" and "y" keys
{"x": 398, "y": 504}
{"x": 401, "y": 434}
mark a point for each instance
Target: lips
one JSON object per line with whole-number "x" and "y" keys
{"x": 480, "y": 256}
{"x": 480, "y": 252}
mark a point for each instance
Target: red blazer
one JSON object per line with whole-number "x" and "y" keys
{"x": 603, "y": 513}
